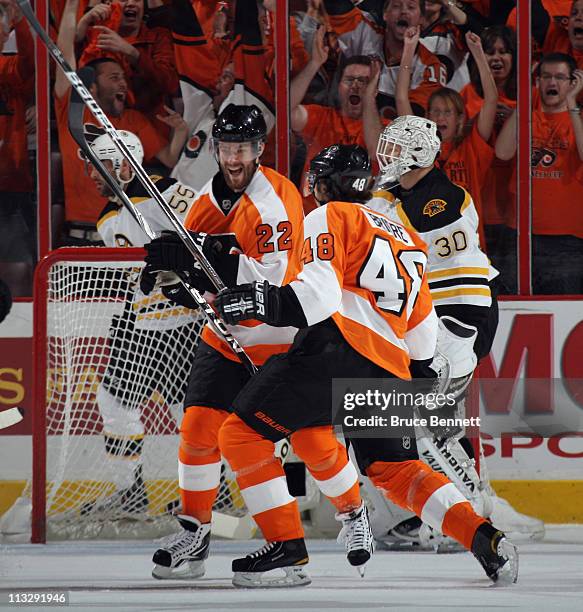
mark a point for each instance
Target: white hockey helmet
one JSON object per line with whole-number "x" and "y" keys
{"x": 104, "y": 148}
{"x": 409, "y": 142}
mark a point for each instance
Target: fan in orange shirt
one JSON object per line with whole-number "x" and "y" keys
{"x": 118, "y": 31}
{"x": 498, "y": 200}
{"x": 557, "y": 176}
{"x": 322, "y": 126}
{"x": 82, "y": 204}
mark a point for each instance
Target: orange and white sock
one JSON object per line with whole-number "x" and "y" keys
{"x": 430, "y": 495}
{"x": 328, "y": 462}
{"x": 262, "y": 481}
{"x": 199, "y": 460}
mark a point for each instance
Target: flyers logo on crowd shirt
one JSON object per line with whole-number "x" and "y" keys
{"x": 194, "y": 144}
{"x": 543, "y": 156}
{"x": 434, "y": 207}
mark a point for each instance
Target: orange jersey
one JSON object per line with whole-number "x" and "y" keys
{"x": 267, "y": 222}
{"x": 467, "y": 165}
{"x": 368, "y": 274}
{"x": 557, "y": 177}
{"x": 497, "y": 197}
{"x": 82, "y": 201}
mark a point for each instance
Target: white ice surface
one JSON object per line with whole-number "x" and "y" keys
{"x": 116, "y": 576}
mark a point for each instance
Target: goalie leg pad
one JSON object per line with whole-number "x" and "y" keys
{"x": 449, "y": 457}
{"x": 454, "y": 359}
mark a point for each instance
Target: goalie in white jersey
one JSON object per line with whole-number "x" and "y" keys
{"x": 420, "y": 196}
{"x": 147, "y": 326}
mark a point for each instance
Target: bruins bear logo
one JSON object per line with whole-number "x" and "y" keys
{"x": 434, "y": 207}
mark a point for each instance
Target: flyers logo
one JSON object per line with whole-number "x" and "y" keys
{"x": 194, "y": 144}
{"x": 542, "y": 156}
{"x": 434, "y": 207}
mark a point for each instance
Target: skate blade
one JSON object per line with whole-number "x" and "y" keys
{"x": 186, "y": 571}
{"x": 294, "y": 576}
{"x": 508, "y": 573}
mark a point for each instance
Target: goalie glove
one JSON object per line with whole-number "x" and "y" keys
{"x": 258, "y": 300}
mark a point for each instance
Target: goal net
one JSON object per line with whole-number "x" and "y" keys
{"x": 111, "y": 373}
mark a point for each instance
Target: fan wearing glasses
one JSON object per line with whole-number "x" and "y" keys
{"x": 557, "y": 175}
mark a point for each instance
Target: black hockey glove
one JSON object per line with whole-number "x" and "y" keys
{"x": 258, "y": 300}
{"x": 195, "y": 278}
{"x": 177, "y": 294}
{"x": 168, "y": 252}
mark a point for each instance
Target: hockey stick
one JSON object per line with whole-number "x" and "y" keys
{"x": 10, "y": 417}
{"x": 141, "y": 174}
{"x": 76, "y": 112}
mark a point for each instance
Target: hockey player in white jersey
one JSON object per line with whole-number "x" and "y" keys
{"x": 146, "y": 326}
{"x": 415, "y": 193}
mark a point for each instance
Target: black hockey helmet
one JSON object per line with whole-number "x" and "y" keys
{"x": 347, "y": 171}
{"x": 240, "y": 123}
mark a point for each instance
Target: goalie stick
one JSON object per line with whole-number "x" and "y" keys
{"x": 76, "y": 112}
{"x": 95, "y": 109}
{"x": 10, "y": 417}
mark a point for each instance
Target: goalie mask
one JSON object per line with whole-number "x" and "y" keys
{"x": 105, "y": 149}
{"x": 239, "y": 130}
{"x": 409, "y": 142}
{"x": 343, "y": 171}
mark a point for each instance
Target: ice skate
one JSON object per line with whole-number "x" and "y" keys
{"x": 183, "y": 554}
{"x": 356, "y": 535}
{"x": 290, "y": 556}
{"x": 518, "y": 526}
{"x": 129, "y": 503}
{"x": 497, "y": 555}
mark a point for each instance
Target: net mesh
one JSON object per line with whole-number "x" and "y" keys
{"x": 117, "y": 368}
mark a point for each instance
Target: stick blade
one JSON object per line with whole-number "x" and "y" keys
{"x": 11, "y": 417}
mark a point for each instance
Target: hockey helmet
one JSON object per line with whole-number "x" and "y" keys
{"x": 239, "y": 123}
{"x": 104, "y": 148}
{"x": 346, "y": 170}
{"x": 407, "y": 143}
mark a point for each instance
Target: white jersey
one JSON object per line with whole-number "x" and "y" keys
{"x": 118, "y": 228}
{"x": 445, "y": 217}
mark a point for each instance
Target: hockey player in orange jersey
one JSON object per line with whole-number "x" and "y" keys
{"x": 253, "y": 223}
{"x": 377, "y": 321}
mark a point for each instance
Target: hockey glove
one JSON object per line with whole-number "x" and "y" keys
{"x": 168, "y": 252}
{"x": 258, "y": 300}
{"x": 177, "y": 294}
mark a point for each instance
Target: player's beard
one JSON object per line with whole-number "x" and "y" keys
{"x": 238, "y": 177}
